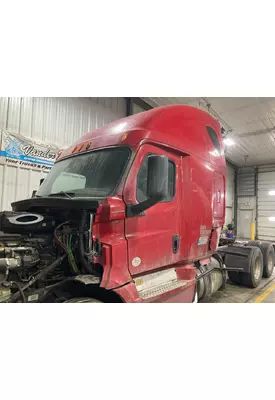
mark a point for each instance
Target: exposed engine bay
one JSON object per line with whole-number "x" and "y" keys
{"x": 45, "y": 243}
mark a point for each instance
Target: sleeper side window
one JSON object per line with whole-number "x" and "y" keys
{"x": 214, "y": 138}
{"x": 141, "y": 194}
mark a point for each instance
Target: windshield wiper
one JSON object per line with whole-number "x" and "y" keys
{"x": 62, "y": 193}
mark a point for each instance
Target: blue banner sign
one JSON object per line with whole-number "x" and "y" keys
{"x": 18, "y": 150}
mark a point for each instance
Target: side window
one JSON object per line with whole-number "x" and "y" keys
{"x": 214, "y": 138}
{"x": 142, "y": 181}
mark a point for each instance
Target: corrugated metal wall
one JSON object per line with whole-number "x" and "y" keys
{"x": 230, "y": 194}
{"x": 246, "y": 182}
{"x": 52, "y": 121}
{"x": 254, "y": 202}
{"x": 137, "y": 109}
{"x": 266, "y": 203}
{"x": 58, "y": 121}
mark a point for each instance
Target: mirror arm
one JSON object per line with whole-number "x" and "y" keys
{"x": 132, "y": 210}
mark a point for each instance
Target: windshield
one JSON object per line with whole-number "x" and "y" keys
{"x": 94, "y": 174}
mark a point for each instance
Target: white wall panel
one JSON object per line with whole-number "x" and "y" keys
{"x": 37, "y": 120}
{"x": 52, "y": 121}
{"x": 58, "y": 121}
{"x": 26, "y": 117}
{"x": 137, "y": 109}
{"x": 17, "y": 184}
{"x": 3, "y": 111}
{"x": 14, "y": 111}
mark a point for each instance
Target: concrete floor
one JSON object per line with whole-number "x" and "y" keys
{"x": 265, "y": 293}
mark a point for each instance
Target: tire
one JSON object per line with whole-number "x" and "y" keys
{"x": 267, "y": 250}
{"x": 254, "y": 277}
{"x": 82, "y": 300}
{"x": 268, "y": 253}
{"x": 235, "y": 277}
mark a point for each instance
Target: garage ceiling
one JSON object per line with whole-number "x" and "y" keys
{"x": 249, "y": 122}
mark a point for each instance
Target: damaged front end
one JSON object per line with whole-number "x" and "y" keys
{"x": 47, "y": 249}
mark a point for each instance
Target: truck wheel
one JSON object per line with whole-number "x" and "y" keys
{"x": 254, "y": 277}
{"x": 267, "y": 250}
{"x": 268, "y": 253}
{"x": 82, "y": 300}
{"x": 235, "y": 277}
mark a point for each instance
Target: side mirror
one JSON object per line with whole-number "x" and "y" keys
{"x": 41, "y": 181}
{"x": 34, "y": 193}
{"x": 157, "y": 184}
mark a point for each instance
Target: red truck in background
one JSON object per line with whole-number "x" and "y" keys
{"x": 132, "y": 212}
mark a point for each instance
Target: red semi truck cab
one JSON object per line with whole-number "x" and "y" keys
{"x": 152, "y": 247}
{"x": 132, "y": 212}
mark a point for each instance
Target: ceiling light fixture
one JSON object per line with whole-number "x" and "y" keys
{"x": 228, "y": 142}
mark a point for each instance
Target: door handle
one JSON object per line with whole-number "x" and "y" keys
{"x": 175, "y": 243}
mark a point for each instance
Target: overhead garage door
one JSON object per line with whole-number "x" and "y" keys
{"x": 266, "y": 204}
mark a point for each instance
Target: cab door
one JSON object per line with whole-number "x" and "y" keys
{"x": 153, "y": 237}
